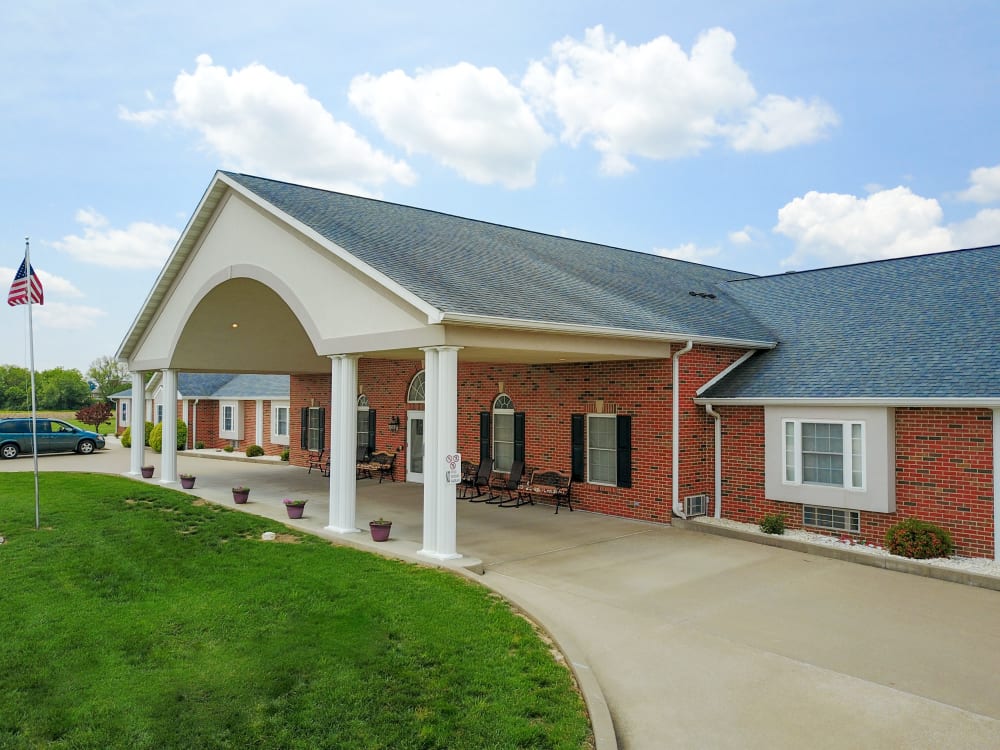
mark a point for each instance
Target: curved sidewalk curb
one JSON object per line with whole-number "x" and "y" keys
{"x": 899, "y": 565}
{"x": 586, "y": 680}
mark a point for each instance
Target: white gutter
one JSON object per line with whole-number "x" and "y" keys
{"x": 676, "y": 436}
{"x": 985, "y": 402}
{"x": 725, "y": 372}
{"x": 491, "y": 321}
{"x": 718, "y": 458}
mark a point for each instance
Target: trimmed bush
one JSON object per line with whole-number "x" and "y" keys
{"x": 773, "y": 523}
{"x": 126, "y": 438}
{"x": 199, "y": 445}
{"x": 148, "y": 432}
{"x": 254, "y": 450}
{"x": 284, "y": 455}
{"x": 156, "y": 437}
{"x": 227, "y": 448}
{"x": 918, "y": 539}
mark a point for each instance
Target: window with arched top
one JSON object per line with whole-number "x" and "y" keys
{"x": 415, "y": 393}
{"x": 503, "y": 432}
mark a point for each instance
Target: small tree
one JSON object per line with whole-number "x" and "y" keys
{"x": 95, "y": 414}
{"x": 110, "y": 375}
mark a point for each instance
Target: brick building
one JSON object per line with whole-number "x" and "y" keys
{"x": 847, "y": 397}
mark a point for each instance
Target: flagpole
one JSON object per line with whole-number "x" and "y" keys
{"x": 31, "y": 357}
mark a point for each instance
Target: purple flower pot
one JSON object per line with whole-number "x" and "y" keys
{"x": 380, "y": 531}
{"x": 240, "y": 497}
{"x": 295, "y": 511}
{"x": 147, "y": 472}
{"x": 187, "y": 483}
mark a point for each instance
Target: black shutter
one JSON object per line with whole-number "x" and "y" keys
{"x": 371, "y": 431}
{"x": 484, "y": 436}
{"x": 322, "y": 429}
{"x": 304, "y": 429}
{"x": 624, "y": 437}
{"x": 577, "y": 441}
{"x": 519, "y": 436}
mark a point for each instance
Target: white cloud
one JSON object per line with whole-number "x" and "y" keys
{"x": 742, "y": 236}
{"x": 654, "y": 100}
{"x": 981, "y": 230}
{"x": 67, "y": 317}
{"x": 140, "y": 245}
{"x": 259, "y": 121}
{"x": 984, "y": 187}
{"x": 471, "y": 119}
{"x": 688, "y": 251}
{"x": 52, "y": 285}
{"x": 778, "y": 122}
{"x": 833, "y": 228}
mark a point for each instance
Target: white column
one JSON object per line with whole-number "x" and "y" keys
{"x": 259, "y": 421}
{"x": 440, "y": 439}
{"x": 343, "y": 440}
{"x": 137, "y": 424}
{"x": 168, "y": 463}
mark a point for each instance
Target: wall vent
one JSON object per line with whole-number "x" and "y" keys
{"x": 695, "y": 505}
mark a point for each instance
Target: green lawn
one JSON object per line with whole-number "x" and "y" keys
{"x": 137, "y": 618}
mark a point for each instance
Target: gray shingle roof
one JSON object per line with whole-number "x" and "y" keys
{"x": 472, "y": 267}
{"x": 218, "y": 385}
{"x": 919, "y": 327}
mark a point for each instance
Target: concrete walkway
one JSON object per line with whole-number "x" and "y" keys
{"x": 694, "y": 641}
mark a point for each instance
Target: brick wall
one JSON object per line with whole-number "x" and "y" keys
{"x": 944, "y": 474}
{"x": 549, "y": 395}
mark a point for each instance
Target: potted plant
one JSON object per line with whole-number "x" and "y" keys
{"x": 240, "y": 495}
{"x": 147, "y": 472}
{"x": 380, "y": 529}
{"x": 294, "y": 507}
{"x": 187, "y": 481}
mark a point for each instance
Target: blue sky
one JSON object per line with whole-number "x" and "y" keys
{"x": 759, "y": 136}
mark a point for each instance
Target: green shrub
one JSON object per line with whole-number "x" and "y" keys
{"x": 227, "y": 448}
{"x": 149, "y": 431}
{"x": 156, "y": 436}
{"x": 918, "y": 539}
{"x": 199, "y": 445}
{"x": 254, "y": 450}
{"x": 284, "y": 455}
{"x": 127, "y": 438}
{"x": 773, "y": 523}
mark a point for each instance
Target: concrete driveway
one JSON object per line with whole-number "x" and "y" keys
{"x": 695, "y": 641}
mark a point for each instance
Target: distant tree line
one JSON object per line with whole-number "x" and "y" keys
{"x": 61, "y": 389}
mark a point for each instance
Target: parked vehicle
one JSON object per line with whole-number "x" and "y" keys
{"x": 54, "y": 436}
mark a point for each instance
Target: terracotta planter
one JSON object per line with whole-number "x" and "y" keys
{"x": 187, "y": 483}
{"x": 295, "y": 511}
{"x": 240, "y": 496}
{"x": 380, "y": 531}
{"x": 147, "y": 472}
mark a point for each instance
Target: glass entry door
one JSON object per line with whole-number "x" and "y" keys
{"x": 414, "y": 446}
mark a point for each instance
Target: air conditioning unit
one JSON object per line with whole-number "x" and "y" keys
{"x": 695, "y": 505}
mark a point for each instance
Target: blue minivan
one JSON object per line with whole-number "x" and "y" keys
{"x": 54, "y": 436}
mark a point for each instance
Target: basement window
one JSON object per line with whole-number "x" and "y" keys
{"x": 833, "y": 519}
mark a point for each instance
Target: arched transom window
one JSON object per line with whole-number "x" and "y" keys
{"x": 365, "y": 428}
{"x": 415, "y": 393}
{"x": 503, "y": 432}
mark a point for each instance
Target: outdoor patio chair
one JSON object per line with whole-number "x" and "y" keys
{"x": 508, "y": 485}
{"x": 479, "y": 483}
{"x": 316, "y": 461}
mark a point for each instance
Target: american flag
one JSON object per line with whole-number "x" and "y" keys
{"x": 18, "y": 294}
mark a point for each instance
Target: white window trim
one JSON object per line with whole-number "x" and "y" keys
{"x": 614, "y": 451}
{"x": 279, "y": 438}
{"x": 493, "y": 428}
{"x": 847, "y": 452}
{"x": 123, "y": 418}
{"x": 363, "y": 406}
{"x": 236, "y": 432}
{"x": 313, "y": 433}
{"x": 159, "y": 413}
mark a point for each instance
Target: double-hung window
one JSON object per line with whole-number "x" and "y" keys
{"x": 314, "y": 430}
{"x": 503, "y": 433}
{"x": 602, "y": 449}
{"x": 827, "y": 453}
{"x": 279, "y": 424}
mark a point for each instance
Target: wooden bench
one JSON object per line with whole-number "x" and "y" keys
{"x": 316, "y": 462}
{"x": 548, "y": 484}
{"x": 381, "y": 462}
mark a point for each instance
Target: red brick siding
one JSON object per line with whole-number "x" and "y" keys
{"x": 944, "y": 474}
{"x": 549, "y": 395}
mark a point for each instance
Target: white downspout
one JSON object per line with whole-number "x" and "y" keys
{"x": 718, "y": 458}
{"x": 676, "y": 436}
{"x": 194, "y": 423}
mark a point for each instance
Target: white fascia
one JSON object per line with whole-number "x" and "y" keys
{"x": 490, "y": 321}
{"x": 964, "y": 403}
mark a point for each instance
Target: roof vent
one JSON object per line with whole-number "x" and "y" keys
{"x": 703, "y": 295}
